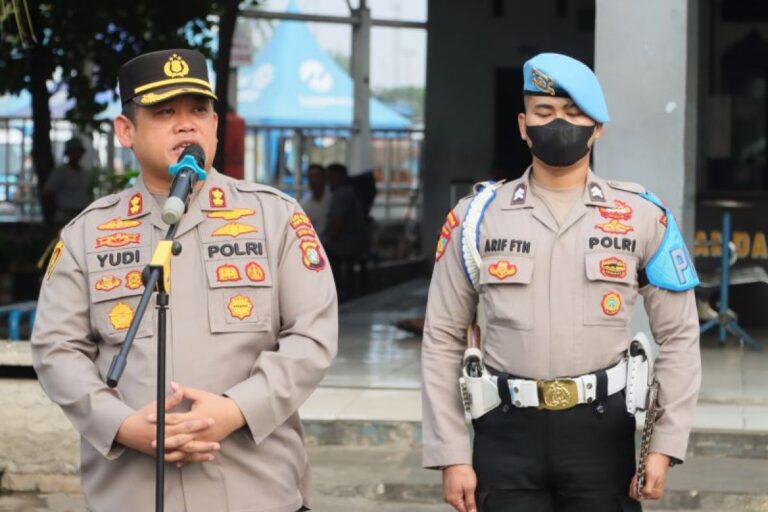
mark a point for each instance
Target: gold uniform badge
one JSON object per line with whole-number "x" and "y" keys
{"x": 176, "y": 67}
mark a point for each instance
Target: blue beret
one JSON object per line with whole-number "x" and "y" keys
{"x": 560, "y": 75}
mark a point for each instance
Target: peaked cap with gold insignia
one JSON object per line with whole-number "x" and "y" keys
{"x": 162, "y": 75}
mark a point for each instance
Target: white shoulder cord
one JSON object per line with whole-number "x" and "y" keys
{"x": 470, "y": 229}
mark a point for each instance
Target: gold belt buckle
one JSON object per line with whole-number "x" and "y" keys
{"x": 558, "y": 394}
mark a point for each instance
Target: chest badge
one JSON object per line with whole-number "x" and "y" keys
{"x": 234, "y": 214}
{"x": 227, "y": 273}
{"x": 611, "y": 303}
{"x": 234, "y": 229}
{"x": 240, "y": 307}
{"x": 118, "y": 240}
{"x": 613, "y": 267}
{"x": 117, "y": 224}
{"x": 619, "y": 211}
{"x": 254, "y": 272}
{"x": 615, "y": 227}
{"x": 120, "y": 316}
{"x": 133, "y": 280}
{"x": 107, "y": 283}
{"x": 502, "y": 269}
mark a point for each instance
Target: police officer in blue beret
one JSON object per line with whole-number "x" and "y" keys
{"x": 551, "y": 265}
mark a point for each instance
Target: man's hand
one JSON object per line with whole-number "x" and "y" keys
{"x": 225, "y": 415}
{"x": 459, "y": 484}
{"x": 655, "y": 478}
{"x": 138, "y": 431}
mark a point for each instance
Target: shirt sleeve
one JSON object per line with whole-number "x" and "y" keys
{"x": 675, "y": 326}
{"x": 63, "y": 352}
{"x": 283, "y": 379}
{"x": 451, "y": 308}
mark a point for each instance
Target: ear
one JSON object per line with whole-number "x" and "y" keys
{"x": 523, "y": 129}
{"x": 125, "y": 131}
{"x": 598, "y": 133}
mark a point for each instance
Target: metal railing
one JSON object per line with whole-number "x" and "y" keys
{"x": 274, "y": 154}
{"x": 277, "y": 156}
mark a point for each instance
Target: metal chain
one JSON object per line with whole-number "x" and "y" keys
{"x": 651, "y": 411}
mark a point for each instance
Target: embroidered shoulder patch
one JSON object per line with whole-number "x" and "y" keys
{"x": 55, "y": 257}
{"x": 451, "y": 222}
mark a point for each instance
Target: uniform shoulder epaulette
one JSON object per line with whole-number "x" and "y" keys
{"x": 102, "y": 202}
{"x": 627, "y": 186}
{"x": 249, "y": 186}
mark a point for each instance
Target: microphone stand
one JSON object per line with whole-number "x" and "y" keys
{"x": 156, "y": 277}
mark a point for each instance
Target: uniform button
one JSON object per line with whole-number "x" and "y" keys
{"x": 518, "y": 403}
{"x": 505, "y": 408}
{"x": 516, "y": 390}
{"x": 589, "y": 386}
{"x": 599, "y": 409}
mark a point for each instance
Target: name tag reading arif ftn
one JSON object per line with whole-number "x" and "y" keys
{"x": 236, "y": 249}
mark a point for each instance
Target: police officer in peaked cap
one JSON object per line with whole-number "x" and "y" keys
{"x": 246, "y": 343}
{"x": 555, "y": 261}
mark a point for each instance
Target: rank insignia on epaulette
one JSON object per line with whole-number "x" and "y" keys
{"x": 117, "y": 224}
{"x": 121, "y": 316}
{"x": 107, "y": 283}
{"x": 135, "y": 204}
{"x": 55, "y": 257}
{"x": 619, "y": 211}
{"x": 615, "y": 227}
{"x": 234, "y": 214}
{"x": 133, "y": 280}
{"x": 520, "y": 193}
{"x": 227, "y": 273}
{"x": 311, "y": 256}
{"x": 118, "y": 240}
{"x": 254, "y": 272}
{"x": 216, "y": 198}
{"x": 611, "y": 303}
{"x": 240, "y": 307}
{"x": 596, "y": 192}
{"x": 234, "y": 229}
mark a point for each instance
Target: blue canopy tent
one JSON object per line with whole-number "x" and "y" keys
{"x": 293, "y": 82}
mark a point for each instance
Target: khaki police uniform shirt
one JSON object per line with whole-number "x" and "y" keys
{"x": 558, "y": 301}
{"x": 253, "y": 316}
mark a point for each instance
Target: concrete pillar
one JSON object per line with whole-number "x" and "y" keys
{"x": 646, "y": 57}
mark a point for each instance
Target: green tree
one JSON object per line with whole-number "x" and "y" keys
{"x": 88, "y": 41}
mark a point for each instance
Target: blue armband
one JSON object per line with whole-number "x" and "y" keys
{"x": 671, "y": 268}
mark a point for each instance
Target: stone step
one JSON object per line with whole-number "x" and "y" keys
{"x": 702, "y": 443}
{"x": 385, "y": 475}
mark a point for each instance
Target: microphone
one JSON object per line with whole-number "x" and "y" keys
{"x": 186, "y": 172}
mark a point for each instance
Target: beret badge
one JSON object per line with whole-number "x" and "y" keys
{"x": 543, "y": 82}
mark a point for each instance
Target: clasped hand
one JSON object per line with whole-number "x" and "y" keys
{"x": 192, "y": 436}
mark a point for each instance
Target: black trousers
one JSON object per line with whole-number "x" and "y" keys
{"x": 576, "y": 460}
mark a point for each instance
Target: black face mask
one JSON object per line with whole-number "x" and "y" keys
{"x": 559, "y": 143}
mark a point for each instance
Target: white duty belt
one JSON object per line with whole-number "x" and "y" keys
{"x": 559, "y": 394}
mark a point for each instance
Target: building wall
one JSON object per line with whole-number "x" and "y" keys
{"x": 466, "y": 44}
